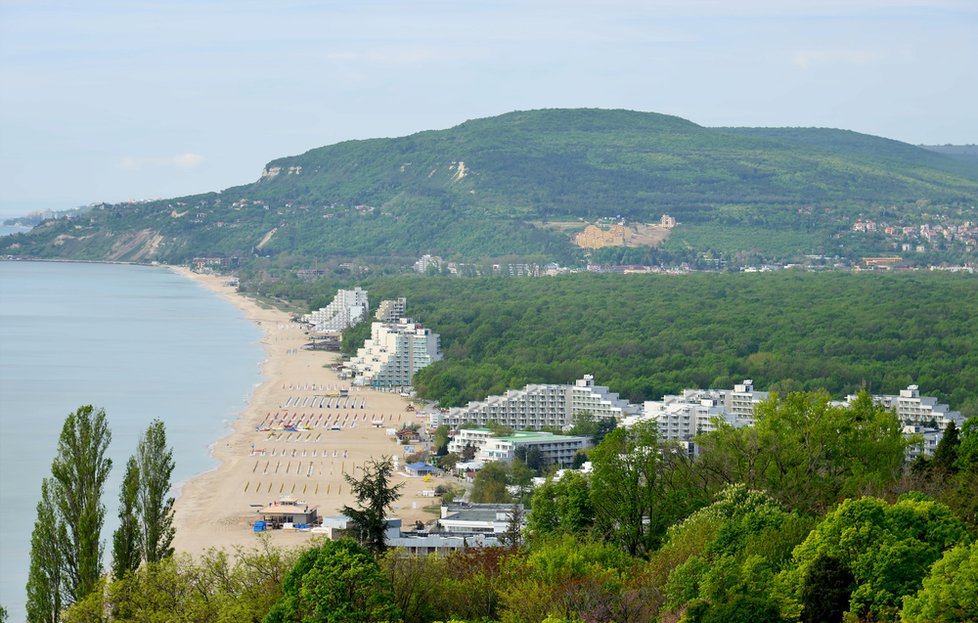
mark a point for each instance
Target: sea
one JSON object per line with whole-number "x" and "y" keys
{"x": 140, "y": 342}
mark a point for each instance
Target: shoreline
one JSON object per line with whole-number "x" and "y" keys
{"x": 215, "y": 508}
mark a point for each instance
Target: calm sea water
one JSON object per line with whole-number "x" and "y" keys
{"x": 142, "y": 343}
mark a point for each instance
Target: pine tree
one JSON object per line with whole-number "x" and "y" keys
{"x": 80, "y": 470}
{"x": 126, "y": 541}
{"x": 45, "y": 582}
{"x": 155, "y": 509}
{"x": 946, "y": 453}
{"x": 375, "y": 495}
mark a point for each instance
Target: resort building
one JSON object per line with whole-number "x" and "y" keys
{"x": 422, "y": 542}
{"x": 287, "y": 512}
{"x": 428, "y": 262}
{"x": 739, "y": 403}
{"x": 554, "y": 449}
{"x": 920, "y": 415}
{"x": 347, "y": 309}
{"x": 394, "y": 353}
{"x": 391, "y": 310}
{"x": 540, "y": 406}
{"x": 682, "y": 417}
{"x": 465, "y": 518}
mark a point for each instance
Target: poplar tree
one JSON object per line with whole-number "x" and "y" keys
{"x": 80, "y": 470}
{"x": 66, "y": 545}
{"x": 155, "y": 509}
{"x": 45, "y": 580}
{"x": 126, "y": 541}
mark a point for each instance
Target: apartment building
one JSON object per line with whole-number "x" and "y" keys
{"x": 920, "y": 415}
{"x": 394, "y": 353}
{"x": 554, "y": 449}
{"x": 346, "y": 309}
{"x": 540, "y": 406}
{"x": 390, "y": 311}
{"x": 739, "y": 402}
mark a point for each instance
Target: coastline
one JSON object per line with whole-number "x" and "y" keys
{"x": 256, "y": 467}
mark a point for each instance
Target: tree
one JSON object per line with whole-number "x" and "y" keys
{"x": 46, "y": 581}
{"x": 155, "y": 462}
{"x": 561, "y": 506}
{"x": 468, "y": 452}
{"x": 807, "y": 453}
{"x": 375, "y": 495}
{"x": 490, "y": 484}
{"x": 632, "y": 494}
{"x": 949, "y": 591}
{"x": 339, "y": 581}
{"x": 826, "y": 591}
{"x": 126, "y": 540}
{"x": 946, "y": 454}
{"x": 80, "y": 470}
{"x": 441, "y": 440}
{"x": 887, "y": 547}
{"x": 585, "y": 424}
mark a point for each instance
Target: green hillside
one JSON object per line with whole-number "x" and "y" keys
{"x": 472, "y": 192}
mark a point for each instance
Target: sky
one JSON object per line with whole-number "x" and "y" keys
{"x": 111, "y": 100}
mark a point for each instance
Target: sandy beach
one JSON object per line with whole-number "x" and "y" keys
{"x": 261, "y": 462}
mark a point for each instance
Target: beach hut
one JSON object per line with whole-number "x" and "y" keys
{"x": 421, "y": 469}
{"x": 288, "y": 512}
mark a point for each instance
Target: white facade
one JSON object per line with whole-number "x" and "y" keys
{"x": 428, "y": 261}
{"x": 681, "y": 418}
{"x": 394, "y": 353}
{"x": 347, "y": 308}
{"x": 741, "y": 400}
{"x": 390, "y": 311}
{"x": 554, "y": 449}
{"x": 540, "y": 406}
{"x": 476, "y": 518}
{"x": 920, "y": 415}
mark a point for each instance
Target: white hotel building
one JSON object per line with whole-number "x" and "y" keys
{"x": 540, "y": 406}
{"x": 682, "y": 417}
{"x": 555, "y": 449}
{"x": 394, "y": 353}
{"x": 347, "y": 308}
{"x": 921, "y": 415}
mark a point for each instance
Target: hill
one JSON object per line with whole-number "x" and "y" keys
{"x": 483, "y": 188}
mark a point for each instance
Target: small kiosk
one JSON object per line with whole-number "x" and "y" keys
{"x": 288, "y": 512}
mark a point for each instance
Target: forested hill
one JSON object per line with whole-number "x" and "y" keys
{"x": 494, "y": 187}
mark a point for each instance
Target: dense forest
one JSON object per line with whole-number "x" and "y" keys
{"x": 649, "y": 335}
{"x": 495, "y": 187}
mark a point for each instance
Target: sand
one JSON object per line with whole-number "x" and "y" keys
{"x": 257, "y": 467}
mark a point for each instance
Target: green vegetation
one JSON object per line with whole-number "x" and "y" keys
{"x": 155, "y": 509}
{"x": 690, "y": 543}
{"x": 66, "y": 546}
{"x": 488, "y": 187}
{"x": 338, "y": 581}
{"x": 126, "y": 540}
{"x": 375, "y": 496}
{"x": 649, "y": 335}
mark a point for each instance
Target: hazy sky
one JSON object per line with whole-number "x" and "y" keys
{"x": 106, "y": 100}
